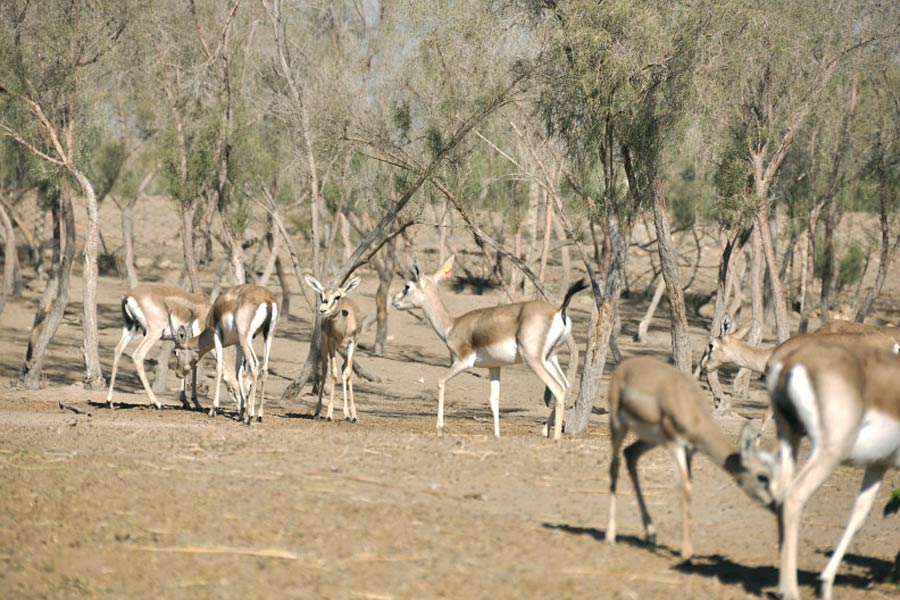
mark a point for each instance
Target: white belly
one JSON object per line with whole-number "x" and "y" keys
{"x": 498, "y": 355}
{"x": 878, "y": 440}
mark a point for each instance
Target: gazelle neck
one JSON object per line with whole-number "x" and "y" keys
{"x": 716, "y": 445}
{"x": 436, "y": 313}
{"x": 202, "y": 343}
{"x": 753, "y": 357}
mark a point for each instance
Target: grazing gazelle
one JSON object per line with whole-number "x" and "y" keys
{"x": 846, "y": 399}
{"x": 158, "y": 311}
{"x": 495, "y": 337}
{"x": 237, "y": 315}
{"x": 728, "y": 349}
{"x": 665, "y": 407}
{"x": 342, "y": 322}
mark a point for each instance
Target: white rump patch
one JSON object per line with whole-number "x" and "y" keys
{"x": 258, "y": 319}
{"x": 558, "y": 332}
{"x": 802, "y": 396}
{"x": 878, "y": 440}
{"x": 499, "y": 354}
{"x": 134, "y": 309}
{"x": 772, "y": 375}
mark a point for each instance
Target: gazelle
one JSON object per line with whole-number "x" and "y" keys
{"x": 728, "y": 349}
{"x": 158, "y": 311}
{"x": 665, "y": 407}
{"x": 529, "y": 332}
{"x": 342, "y": 322}
{"x": 236, "y": 317}
{"x": 846, "y": 399}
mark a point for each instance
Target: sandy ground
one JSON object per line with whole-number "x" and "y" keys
{"x": 136, "y": 502}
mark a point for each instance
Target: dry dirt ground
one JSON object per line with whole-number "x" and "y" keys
{"x": 136, "y": 502}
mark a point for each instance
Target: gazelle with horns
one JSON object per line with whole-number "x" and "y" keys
{"x": 665, "y": 407}
{"x": 236, "y": 317}
{"x": 846, "y": 399}
{"x": 159, "y": 312}
{"x": 530, "y": 332}
{"x": 342, "y": 322}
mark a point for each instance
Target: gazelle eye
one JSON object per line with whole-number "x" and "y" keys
{"x": 762, "y": 478}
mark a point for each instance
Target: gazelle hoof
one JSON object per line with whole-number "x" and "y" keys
{"x": 110, "y": 405}
{"x": 440, "y": 431}
{"x": 328, "y": 419}
{"x": 212, "y": 412}
{"x": 651, "y": 538}
{"x": 259, "y": 419}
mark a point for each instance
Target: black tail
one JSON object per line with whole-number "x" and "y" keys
{"x": 267, "y": 324}
{"x": 581, "y": 284}
{"x": 127, "y": 319}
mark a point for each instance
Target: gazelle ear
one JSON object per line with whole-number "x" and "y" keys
{"x": 414, "y": 269}
{"x": 747, "y": 442}
{"x": 351, "y": 285}
{"x": 314, "y": 284}
{"x": 727, "y": 325}
{"x": 446, "y": 270}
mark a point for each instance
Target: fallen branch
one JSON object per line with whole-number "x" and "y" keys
{"x": 74, "y": 409}
{"x": 263, "y": 552}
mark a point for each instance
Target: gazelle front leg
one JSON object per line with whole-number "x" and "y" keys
{"x": 347, "y": 382}
{"x": 127, "y": 336}
{"x": 495, "y": 398}
{"x": 139, "y": 353}
{"x": 618, "y": 437}
{"x": 332, "y": 367}
{"x": 683, "y": 481}
{"x": 456, "y": 368}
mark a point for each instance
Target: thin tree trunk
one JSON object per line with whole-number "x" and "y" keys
{"x": 235, "y": 251}
{"x": 644, "y": 325}
{"x": 886, "y": 256}
{"x": 56, "y": 293}
{"x": 809, "y": 268}
{"x": 93, "y": 375}
{"x": 741, "y": 384}
{"x": 782, "y": 325}
{"x": 668, "y": 259}
{"x": 385, "y": 266}
{"x": 566, "y": 275}
{"x": 548, "y": 231}
{"x": 128, "y": 243}
{"x": 187, "y": 244}
{"x": 828, "y": 260}
{"x": 9, "y": 258}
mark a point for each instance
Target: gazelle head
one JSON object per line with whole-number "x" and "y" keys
{"x": 717, "y": 353}
{"x": 413, "y": 293}
{"x": 758, "y": 472}
{"x": 186, "y": 354}
{"x": 330, "y": 300}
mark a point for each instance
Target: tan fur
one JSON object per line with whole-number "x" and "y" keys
{"x": 342, "y": 323}
{"x": 156, "y": 304}
{"x": 664, "y": 406}
{"x": 846, "y": 398}
{"x": 238, "y": 306}
{"x": 493, "y": 338}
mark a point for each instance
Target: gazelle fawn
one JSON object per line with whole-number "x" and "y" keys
{"x": 342, "y": 322}
{"x": 236, "y": 317}
{"x": 158, "y": 312}
{"x": 665, "y": 407}
{"x": 846, "y": 399}
{"x": 530, "y": 332}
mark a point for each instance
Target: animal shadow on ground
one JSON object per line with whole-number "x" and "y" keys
{"x": 755, "y": 579}
{"x": 600, "y": 536}
{"x": 478, "y": 285}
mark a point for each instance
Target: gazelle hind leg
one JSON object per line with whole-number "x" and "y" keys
{"x": 495, "y": 399}
{"x": 683, "y": 483}
{"x": 217, "y": 341}
{"x": 861, "y": 507}
{"x": 139, "y": 353}
{"x": 632, "y": 454}
{"x": 540, "y": 368}
{"x": 265, "y": 369}
{"x": 127, "y": 336}
{"x": 617, "y": 438}
{"x": 253, "y": 366}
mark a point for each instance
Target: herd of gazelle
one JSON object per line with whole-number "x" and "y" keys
{"x": 840, "y": 387}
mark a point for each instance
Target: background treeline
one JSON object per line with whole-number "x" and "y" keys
{"x": 309, "y": 136}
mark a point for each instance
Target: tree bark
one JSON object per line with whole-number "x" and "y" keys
{"x": 644, "y": 325}
{"x": 385, "y": 267}
{"x": 809, "y": 268}
{"x": 886, "y": 256}
{"x": 187, "y": 244}
{"x": 56, "y": 293}
{"x": 128, "y": 242}
{"x": 9, "y": 258}
{"x": 668, "y": 259}
{"x": 93, "y": 375}
{"x": 782, "y": 325}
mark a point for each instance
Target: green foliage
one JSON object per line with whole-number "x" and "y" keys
{"x": 732, "y": 177}
{"x": 852, "y": 264}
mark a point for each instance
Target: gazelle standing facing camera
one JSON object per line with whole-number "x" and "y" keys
{"x": 530, "y": 332}
{"x": 342, "y": 322}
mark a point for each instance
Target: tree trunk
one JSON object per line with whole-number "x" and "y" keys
{"x": 828, "y": 260}
{"x": 566, "y": 275}
{"x": 56, "y": 293}
{"x": 782, "y": 325}
{"x": 128, "y": 243}
{"x": 93, "y": 375}
{"x": 545, "y": 247}
{"x": 809, "y": 268}
{"x": 385, "y": 267}
{"x": 644, "y": 325}
{"x": 886, "y": 256}
{"x": 741, "y": 384}
{"x": 9, "y": 258}
{"x": 235, "y": 251}
{"x": 187, "y": 244}
{"x": 668, "y": 259}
